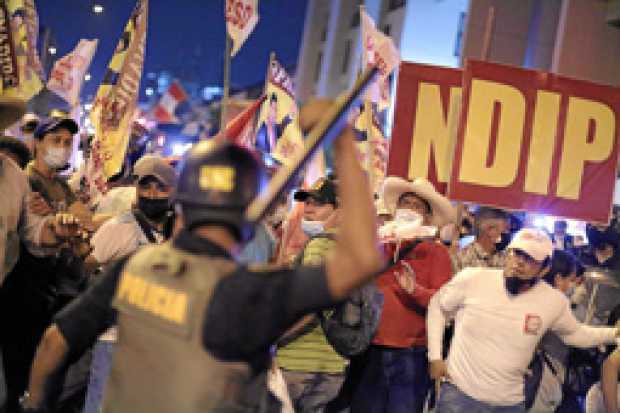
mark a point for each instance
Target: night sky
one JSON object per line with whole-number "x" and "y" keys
{"x": 185, "y": 37}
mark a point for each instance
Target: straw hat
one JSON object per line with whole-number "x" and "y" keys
{"x": 442, "y": 211}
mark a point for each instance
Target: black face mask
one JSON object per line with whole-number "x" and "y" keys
{"x": 503, "y": 243}
{"x": 514, "y": 284}
{"x": 154, "y": 208}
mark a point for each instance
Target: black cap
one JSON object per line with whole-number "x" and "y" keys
{"x": 323, "y": 191}
{"x": 52, "y": 125}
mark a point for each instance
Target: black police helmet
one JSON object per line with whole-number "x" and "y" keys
{"x": 216, "y": 184}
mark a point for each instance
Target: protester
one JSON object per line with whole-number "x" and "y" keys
{"x": 20, "y": 224}
{"x": 501, "y": 314}
{"x": 554, "y": 353}
{"x": 313, "y": 371}
{"x": 489, "y": 225}
{"x": 562, "y": 240}
{"x": 149, "y": 222}
{"x": 214, "y": 189}
{"x": 395, "y": 376}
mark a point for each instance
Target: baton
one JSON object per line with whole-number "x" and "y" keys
{"x": 326, "y": 130}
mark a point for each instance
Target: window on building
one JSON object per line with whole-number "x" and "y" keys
{"x": 346, "y": 57}
{"x": 386, "y": 29}
{"x": 317, "y": 69}
{"x": 396, "y": 4}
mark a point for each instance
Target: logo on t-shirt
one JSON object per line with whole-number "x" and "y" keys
{"x": 532, "y": 325}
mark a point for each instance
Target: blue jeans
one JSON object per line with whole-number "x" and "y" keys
{"x": 452, "y": 400}
{"x": 394, "y": 380}
{"x": 311, "y": 392}
{"x": 99, "y": 372}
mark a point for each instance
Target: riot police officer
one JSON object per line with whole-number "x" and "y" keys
{"x": 194, "y": 327}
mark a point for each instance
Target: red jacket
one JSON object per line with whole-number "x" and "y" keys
{"x": 403, "y": 319}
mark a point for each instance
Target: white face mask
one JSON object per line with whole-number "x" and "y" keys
{"x": 57, "y": 158}
{"x": 312, "y": 228}
{"x": 407, "y": 215}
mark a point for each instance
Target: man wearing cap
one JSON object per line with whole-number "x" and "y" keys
{"x": 16, "y": 221}
{"x": 501, "y": 315}
{"x": 195, "y": 329}
{"x": 53, "y": 147}
{"x": 149, "y": 222}
{"x": 313, "y": 371}
{"x": 395, "y": 378}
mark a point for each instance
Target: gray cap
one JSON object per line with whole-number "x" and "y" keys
{"x": 151, "y": 165}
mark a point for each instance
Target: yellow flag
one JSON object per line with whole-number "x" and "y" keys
{"x": 278, "y": 132}
{"x": 19, "y": 28}
{"x": 114, "y": 106}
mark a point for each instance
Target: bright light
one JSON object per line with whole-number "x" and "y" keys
{"x": 87, "y": 77}
{"x": 88, "y": 106}
{"x": 161, "y": 140}
{"x": 179, "y": 149}
{"x": 98, "y": 8}
{"x": 52, "y": 50}
{"x": 149, "y": 91}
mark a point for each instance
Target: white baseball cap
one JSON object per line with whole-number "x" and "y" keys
{"x": 534, "y": 242}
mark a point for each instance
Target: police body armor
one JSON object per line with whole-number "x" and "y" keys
{"x": 160, "y": 364}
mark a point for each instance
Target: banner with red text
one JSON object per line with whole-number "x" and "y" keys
{"x": 241, "y": 18}
{"x": 537, "y": 142}
{"x": 428, "y": 100}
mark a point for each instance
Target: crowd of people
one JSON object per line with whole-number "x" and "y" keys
{"x": 162, "y": 297}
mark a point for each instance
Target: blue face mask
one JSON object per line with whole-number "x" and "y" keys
{"x": 312, "y": 228}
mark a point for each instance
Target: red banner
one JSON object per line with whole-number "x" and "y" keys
{"x": 425, "y": 123}
{"x": 536, "y": 141}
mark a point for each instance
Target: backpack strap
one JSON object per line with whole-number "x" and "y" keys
{"x": 146, "y": 228}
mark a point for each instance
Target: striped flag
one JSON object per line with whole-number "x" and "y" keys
{"x": 113, "y": 111}
{"x": 241, "y": 130}
{"x": 167, "y": 105}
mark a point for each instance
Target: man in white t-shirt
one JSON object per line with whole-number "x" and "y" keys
{"x": 500, "y": 314}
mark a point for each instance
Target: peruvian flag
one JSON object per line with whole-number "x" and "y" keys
{"x": 167, "y": 105}
{"x": 241, "y": 129}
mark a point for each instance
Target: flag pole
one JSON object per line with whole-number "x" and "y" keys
{"x": 226, "y": 91}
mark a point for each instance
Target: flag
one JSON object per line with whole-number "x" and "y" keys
{"x": 278, "y": 134}
{"x": 21, "y": 67}
{"x": 371, "y": 143}
{"x": 241, "y": 130}
{"x": 241, "y": 18}
{"x": 113, "y": 111}
{"x": 68, "y": 73}
{"x": 378, "y": 50}
{"x": 167, "y": 105}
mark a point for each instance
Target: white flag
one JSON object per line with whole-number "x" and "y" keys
{"x": 68, "y": 73}
{"x": 241, "y": 18}
{"x": 378, "y": 50}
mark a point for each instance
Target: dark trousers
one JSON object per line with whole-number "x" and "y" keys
{"x": 393, "y": 380}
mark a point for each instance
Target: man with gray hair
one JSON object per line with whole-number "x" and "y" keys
{"x": 489, "y": 225}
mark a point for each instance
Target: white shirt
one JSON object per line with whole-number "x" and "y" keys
{"x": 496, "y": 333}
{"x": 117, "y": 201}
{"x": 118, "y": 238}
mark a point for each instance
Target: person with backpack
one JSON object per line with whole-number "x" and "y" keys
{"x": 313, "y": 370}
{"x": 394, "y": 377}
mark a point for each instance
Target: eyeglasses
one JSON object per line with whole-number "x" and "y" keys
{"x": 515, "y": 252}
